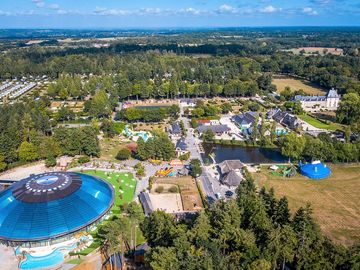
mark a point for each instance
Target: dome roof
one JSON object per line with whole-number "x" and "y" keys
{"x": 51, "y": 205}
{"x": 315, "y": 170}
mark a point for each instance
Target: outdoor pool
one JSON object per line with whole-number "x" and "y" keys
{"x": 56, "y": 258}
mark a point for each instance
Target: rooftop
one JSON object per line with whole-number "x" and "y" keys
{"x": 52, "y": 205}
{"x": 175, "y": 128}
{"x": 229, "y": 165}
{"x": 214, "y": 128}
{"x": 246, "y": 118}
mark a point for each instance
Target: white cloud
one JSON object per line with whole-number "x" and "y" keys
{"x": 4, "y": 13}
{"x": 54, "y": 6}
{"x": 114, "y": 12}
{"x": 321, "y": 2}
{"x": 191, "y": 11}
{"x": 227, "y": 9}
{"x": 309, "y": 11}
{"x": 269, "y": 9}
{"x": 40, "y": 4}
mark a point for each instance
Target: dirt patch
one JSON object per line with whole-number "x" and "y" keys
{"x": 188, "y": 190}
{"x": 335, "y": 201}
{"x": 168, "y": 202}
{"x": 22, "y": 172}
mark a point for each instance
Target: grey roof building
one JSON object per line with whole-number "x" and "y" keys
{"x": 145, "y": 201}
{"x": 314, "y": 103}
{"x": 217, "y": 129}
{"x": 245, "y": 119}
{"x": 176, "y": 129}
{"x": 181, "y": 144}
{"x": 231, "y": 172}
{"x": 286, "y": 119}
{"x": 230, "y": 165}
{"x": 232, "y": 179}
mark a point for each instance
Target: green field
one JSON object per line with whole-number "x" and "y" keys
{"x": 121, "y": 182}
{"x": 334, "y": 200}
{"x": 318, "y": 124}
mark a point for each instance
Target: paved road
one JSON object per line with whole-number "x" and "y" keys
{"x": 193, "y": 147}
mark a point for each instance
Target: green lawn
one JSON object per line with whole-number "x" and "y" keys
{"x": 75, "y": 261}
{"x": 318, "y": 124}
{"x": 124, "y": 184}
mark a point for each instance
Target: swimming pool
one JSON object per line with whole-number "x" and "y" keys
{"x": 143, "y": 135}
{"x": 56, "y": 258}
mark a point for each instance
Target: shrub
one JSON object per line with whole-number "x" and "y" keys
{"x": 174, "y": 189}
{"x": 159, "y": 189}
{"x": 50, "y": 161}
{"x": 123, "y": 154}
{"x": 185, "y": 156}
{"x": 83, "y": 159}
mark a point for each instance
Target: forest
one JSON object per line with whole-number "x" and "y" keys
{"x": 255, "y": 231}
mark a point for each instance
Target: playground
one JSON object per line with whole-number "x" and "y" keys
{"x": 334, "y": 200}
{"x": 135, "y": 135}
{"x": 124, "y": 184}
{"x": 166, "y": 172}
{"x": 283, "y": 170}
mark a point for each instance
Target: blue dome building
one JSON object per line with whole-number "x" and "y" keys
{"x": 314, "y": 170}
{"x": 51, "y": 207}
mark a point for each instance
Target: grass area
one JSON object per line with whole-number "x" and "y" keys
{"x": 319, "y": 124}
{"x": 121, "y": 181}
{"x": 335, "y": 200}
{"x": 319, "y": 50}
{"x": 75, "y": 261}
{"x": 297, "y": 84}
{"x": 110, "y": 147}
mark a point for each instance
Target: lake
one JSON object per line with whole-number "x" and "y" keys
{"x": 245, "y": 154}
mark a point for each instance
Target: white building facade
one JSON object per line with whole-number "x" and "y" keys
{"x": 329, "y": 102}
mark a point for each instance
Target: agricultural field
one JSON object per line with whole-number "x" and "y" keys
{"x": 308, "y": 51}
{"x": 188, "y": 190}
{"x": 297, "y": 84}
{"x": 335, "y": 201}
{"x": 124, "y": 184}
{"x": 318, "y": 124}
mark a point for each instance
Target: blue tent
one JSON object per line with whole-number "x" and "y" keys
{"x": 314, "y": 170}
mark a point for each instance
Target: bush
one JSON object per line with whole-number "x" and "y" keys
{"x": 159, "y": 189}
{"x": 174, "y": 189}
{"x": 83, "y": 159}
{"x": 185, "y": 156}
{"x": 123, "y": 154}
{"x": 50, "y": 162}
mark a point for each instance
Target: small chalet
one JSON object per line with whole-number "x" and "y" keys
{"x": 231, "y": 172}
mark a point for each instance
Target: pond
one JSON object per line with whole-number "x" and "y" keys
{"x": 245, "y": 154}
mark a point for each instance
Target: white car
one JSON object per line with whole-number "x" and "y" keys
{"x": 218, "y": 196}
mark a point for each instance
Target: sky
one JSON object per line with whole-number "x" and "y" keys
{"x": 85, "y": 14}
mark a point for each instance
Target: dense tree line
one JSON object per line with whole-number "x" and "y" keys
{"x": 26, "y": 134}
{"x": 255, "y": 231}
{"x": 324, "y": 147}
{"x": 157, "y": 147}
{"x": 136, "y": 114}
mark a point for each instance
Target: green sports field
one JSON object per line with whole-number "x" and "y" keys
{"x": 124, "y": 184}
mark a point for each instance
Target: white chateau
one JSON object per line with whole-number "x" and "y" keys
{"x": 329, "y": 102}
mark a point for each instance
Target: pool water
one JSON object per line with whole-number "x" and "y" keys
{"x": 56, "y": 258}
{"x": 143, "y": 135}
